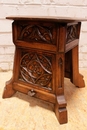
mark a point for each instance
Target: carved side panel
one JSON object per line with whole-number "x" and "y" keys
{"x": 37, "y": 32}
{"x": 72, "y": 33}
{"x": 36, "y": 69}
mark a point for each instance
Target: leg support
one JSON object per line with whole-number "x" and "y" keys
{"x": 8, "y": 90}
{"x": 77, "y": 78}
{"x": 60, "y": 109}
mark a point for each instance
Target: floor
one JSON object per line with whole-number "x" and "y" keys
{"x": 22, "y": 112}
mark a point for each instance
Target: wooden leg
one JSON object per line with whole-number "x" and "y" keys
{"x": 60, "y": 109}
{"x": 8, "y": 90}
{"x": 60, "y": 105}
{"x": 77, "y": 78}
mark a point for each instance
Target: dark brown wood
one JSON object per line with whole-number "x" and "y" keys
{"x": 46, "y": 50}
{"x": 60, "y": 109}
{"x": 77, "y": 78}
{"x": 71, "y": 45}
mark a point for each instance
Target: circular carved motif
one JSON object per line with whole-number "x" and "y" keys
{"x": 36, "y": 69}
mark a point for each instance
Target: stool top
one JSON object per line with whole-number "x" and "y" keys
{"x": 47, "y": 18}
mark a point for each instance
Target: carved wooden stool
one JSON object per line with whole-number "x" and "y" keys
{"x": 46, "y": 50}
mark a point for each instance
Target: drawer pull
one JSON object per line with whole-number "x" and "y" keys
{"x": 31, "y": 93}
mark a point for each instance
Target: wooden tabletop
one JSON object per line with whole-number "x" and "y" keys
{"x": 47, "y": 18}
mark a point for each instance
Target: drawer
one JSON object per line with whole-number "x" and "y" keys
{"x": 35, "y": 34}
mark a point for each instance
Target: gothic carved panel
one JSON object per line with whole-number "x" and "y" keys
{"x": 36, "y": 69}
{"x": 72, "y": 33}
{"x": 36, "y": 33}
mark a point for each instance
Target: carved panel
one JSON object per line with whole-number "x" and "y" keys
{"x": 32, "y": 32}
{"x": 36, "y": 68}
{"x": 72, "y": 33}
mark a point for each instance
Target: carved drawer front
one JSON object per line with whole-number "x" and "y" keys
{"x": 37, "y": 69}
{"x": 33, "y": 34}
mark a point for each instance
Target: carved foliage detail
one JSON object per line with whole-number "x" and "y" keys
{"x": 36, "y": 69}
{"x": 36, "y": 33}
{"x": 72, "y": 33}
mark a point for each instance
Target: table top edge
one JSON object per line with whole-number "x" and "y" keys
{"x": 47, "y": 18}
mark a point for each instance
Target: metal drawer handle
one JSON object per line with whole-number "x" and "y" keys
{"x": 31, "y": 93}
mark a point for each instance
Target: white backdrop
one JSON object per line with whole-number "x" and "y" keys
{"x": 39, "y": 7}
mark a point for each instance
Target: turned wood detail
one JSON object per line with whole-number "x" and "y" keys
{"x": 36, "y": 69}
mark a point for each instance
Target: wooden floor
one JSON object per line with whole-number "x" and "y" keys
{"x": 22, "y": 112}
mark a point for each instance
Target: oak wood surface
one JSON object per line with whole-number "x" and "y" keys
{"x": 46, "y": 51}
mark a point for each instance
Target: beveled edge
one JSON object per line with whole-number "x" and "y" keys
{"x": 46, "y": 18}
